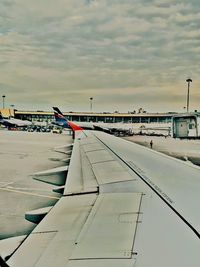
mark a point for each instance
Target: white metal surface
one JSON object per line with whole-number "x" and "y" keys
{"x": 110, "y": 229}
{"x": 53, "y": 240}
{"x": 174, "y": 180}
{"x": 110, "y": 172}
{"x": 55, "y": 176}
{"x": 101, "y": 155}
{"x": 37, "y": 215}
{"x": 8, "y": 246}
{"x": 80, "y": 176}
{"x": 52, "y": 171}
{"x": 92, "y": 147}
{"x": 92, "y": 165}
{"x": 64, "y": 149}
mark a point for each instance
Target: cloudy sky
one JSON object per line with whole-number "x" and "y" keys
{"x": 125, "y": 54}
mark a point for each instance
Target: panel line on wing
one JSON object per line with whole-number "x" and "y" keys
{"x": 195, "y": 231}
{"x": 104, "y": 164}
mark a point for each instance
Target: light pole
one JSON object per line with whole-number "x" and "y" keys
{"x": 188, "y": 93}
{"x": 91, "y": 98}
{"x": 3, "y": 97}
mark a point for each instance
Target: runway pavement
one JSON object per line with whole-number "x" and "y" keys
{"x": 22, "y": 154}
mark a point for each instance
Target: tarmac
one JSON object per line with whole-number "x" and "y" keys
{"x": 21, "y": 155}
{"x": 187, "y": 150}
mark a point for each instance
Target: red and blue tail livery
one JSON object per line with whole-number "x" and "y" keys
{"x": 63, "y": 122}
{"x": 59, "y": 118}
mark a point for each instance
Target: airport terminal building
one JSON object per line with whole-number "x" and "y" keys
{"x": 46, "y": 116}
{"x": 182, "y": 125}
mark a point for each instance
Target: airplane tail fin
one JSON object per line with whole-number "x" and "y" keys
{"x": 59, "y": 117}
{"x": 56, "y": 109}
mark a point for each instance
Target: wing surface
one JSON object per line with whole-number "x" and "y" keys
{"x": 123, "y": 205}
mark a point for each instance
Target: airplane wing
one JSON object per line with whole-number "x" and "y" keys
{"x": 5, "y": 122}
{"x": 14, "y": 122}
{"x": 123, "y": 205}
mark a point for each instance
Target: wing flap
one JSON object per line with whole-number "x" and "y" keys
{"x": 81, "y": 228}
{"x": 53, "y": 240}
{"x": 100, "y": 155}
{"x": 80, "y": 177}
{"x": 93, "y": 165}
{"x": 110, "y": 172}
{"x": 110, "y": 229}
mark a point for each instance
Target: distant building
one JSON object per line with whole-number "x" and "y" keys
{"x": 105, "y": 117}
{"x": 186, "y": 125}
{"x": 7, "y": 113}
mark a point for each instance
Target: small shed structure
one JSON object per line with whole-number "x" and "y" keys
{"x": 186, "y": 125}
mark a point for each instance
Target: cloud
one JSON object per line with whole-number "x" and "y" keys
{"x": 72, "y": 49}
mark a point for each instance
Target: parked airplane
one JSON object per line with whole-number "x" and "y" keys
{"x": 60, "y": 120}
{"x": 11, "y": 122}
{"x": 122, "y": 205}
{"x": 111, "y": 128}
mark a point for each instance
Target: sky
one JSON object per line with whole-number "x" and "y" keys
{"x": 126, "y": 54}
